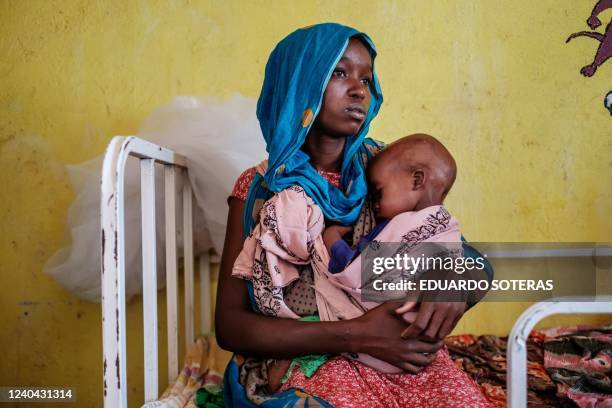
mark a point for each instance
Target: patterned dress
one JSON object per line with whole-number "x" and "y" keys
{"x": 347, "y": 383}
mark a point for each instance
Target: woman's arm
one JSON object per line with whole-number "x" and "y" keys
{"x": 240, "y": 329}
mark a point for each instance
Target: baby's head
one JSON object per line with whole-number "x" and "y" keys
{"x": 410, "y": 174}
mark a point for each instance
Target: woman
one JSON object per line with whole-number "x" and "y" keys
{"x": 319, "y": 96}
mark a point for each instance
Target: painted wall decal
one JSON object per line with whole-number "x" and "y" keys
{"x": 605, "y": 47}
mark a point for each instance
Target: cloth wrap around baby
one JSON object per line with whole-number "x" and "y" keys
{"x": 289, "y": 234}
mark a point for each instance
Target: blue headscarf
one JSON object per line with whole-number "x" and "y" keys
{"x": 297, "y": 74}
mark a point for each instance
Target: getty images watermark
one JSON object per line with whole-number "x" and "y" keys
{"x": 485, "y": 271}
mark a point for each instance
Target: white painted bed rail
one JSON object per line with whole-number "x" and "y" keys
{"x": 113, "y": 265}
{"x": 517, "y": 342}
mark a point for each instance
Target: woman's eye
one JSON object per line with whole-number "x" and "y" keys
{"x": 366, "y": 81}
{"x": 339, "y": 73}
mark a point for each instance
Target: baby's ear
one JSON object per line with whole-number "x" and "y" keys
{"x": 419, "y": 179}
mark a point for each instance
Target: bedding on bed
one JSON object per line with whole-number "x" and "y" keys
{"x": 567, "y": 366}
{"x": 199, "y": 382}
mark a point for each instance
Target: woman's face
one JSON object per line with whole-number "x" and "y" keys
{"x": 347, "y": 97}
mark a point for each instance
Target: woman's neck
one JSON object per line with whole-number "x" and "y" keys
{"x": 325, "y": 151}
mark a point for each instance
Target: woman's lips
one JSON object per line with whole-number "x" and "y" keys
{"x": 356, "y": 112}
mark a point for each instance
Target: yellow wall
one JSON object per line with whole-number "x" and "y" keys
{"x": 493, "y": 80}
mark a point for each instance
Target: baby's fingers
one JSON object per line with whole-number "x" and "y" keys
{"x": 426, "y": 311}
{"x": 406, "y": 307}
{"x": 409, "y": 317}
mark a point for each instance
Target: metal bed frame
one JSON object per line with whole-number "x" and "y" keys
{"x": 113, "y": 265}
{"x": 113, "y": 278}
{"x": 516, "y": 357}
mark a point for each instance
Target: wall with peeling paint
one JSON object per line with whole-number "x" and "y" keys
{"x": 494, "y": 81}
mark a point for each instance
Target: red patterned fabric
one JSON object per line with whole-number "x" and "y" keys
{"x": 241, "y": 187}
{"x": 347, "y": 383}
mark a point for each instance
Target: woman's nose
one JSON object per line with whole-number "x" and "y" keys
{"x": 356, "y": 89}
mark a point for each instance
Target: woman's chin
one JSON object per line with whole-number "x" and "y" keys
{"x": 352, "y": 131}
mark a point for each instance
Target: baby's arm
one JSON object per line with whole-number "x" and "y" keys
{"x": 340, "y": 253}
{"x": 334, "y": 233}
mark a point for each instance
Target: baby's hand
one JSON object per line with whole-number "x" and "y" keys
{"x": 334, "y": 233}
{"x": 433, "y": 321}
{"x": 408, "y": 311}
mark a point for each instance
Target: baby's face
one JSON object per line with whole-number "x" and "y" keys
{"x": 391, "y": 188}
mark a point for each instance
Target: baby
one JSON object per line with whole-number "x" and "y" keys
{"x": 409, "y": 175}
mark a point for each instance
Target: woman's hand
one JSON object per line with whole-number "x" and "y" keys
{"x": 378, "y": 333}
